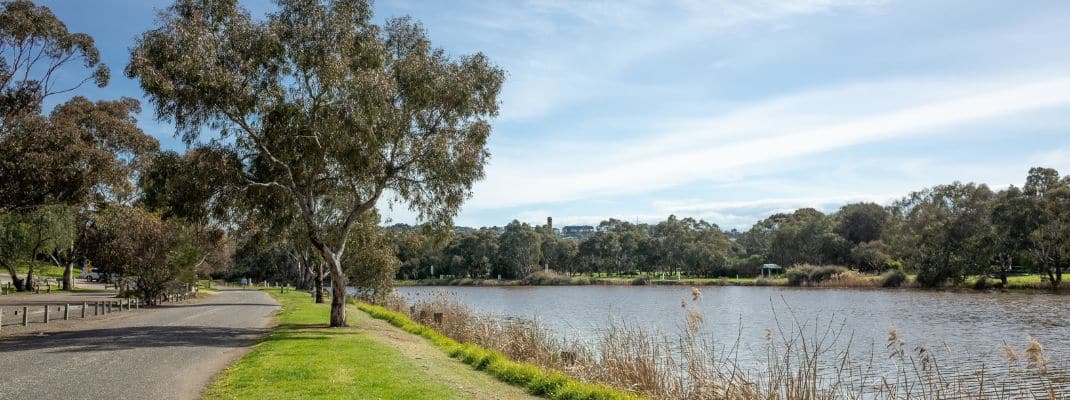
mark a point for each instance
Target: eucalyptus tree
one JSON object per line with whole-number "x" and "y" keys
{"x": 1049, "y": 241}
{"x": 340, "y": 110}
{"x": 945, "y": 232}
{"x": 1014, "y": 217}
{"x": 518, "y": 250}
{"x": 35, "y": 49}
{"x": 82, "y": 153}
{"x": 861, "y": 222}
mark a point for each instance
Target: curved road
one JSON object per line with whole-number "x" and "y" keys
{"x": 169, "y": 352}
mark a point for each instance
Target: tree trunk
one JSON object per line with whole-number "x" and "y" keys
{"x": 68, "y": 276}
{"x": 28, "y": 284}
{"x": 319, "y": 283}
{"x": 15, "y": 281}
{"x": 338, "y": 291}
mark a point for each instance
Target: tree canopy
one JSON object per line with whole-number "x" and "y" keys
{"x": 328, "y": 106}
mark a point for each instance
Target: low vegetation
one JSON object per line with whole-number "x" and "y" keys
{"x": 539, "y": 381}
{"x": 304, "y": 359}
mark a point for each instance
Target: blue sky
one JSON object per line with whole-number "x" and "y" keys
{"x": 725, "y": 110}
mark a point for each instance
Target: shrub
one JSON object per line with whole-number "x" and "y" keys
{"x": 806, "y": 274}
{"x": 641, "y": 280}
{"x": 545, "y": 278}
{"x": 981, "y": 283}
{"x": 893, "y": 278}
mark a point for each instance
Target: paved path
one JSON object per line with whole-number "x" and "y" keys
{"x": 170, "y": 352}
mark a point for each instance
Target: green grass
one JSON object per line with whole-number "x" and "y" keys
{"x": 42, "y": 270}
{"x": 302, "y": 359}
{"x": 538, "y": 381}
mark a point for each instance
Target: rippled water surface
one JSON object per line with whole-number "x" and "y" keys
{"x": 963, "y": 329}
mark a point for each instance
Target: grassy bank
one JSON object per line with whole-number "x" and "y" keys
{"x": 303, "y": 359}
{"x": 537, "y": 380}
{"x": 1031, "y": 282}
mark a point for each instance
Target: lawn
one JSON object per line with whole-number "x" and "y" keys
{"x": 42, "y": 270}
{"x": 303, "y": 359}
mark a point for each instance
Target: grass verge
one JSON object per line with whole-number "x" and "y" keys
{"x": 538, "y": 381}
{"x": 304, "y": 359}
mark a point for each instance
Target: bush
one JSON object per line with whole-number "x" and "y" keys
{"x": 807, "y": 274}
{"x": 545, "y": 278}
{"x": 981, "y": 283}
{"x": 641, "y": 280}
{"x": 893, "y": 278}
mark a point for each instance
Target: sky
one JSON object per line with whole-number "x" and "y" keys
{"x": 724, "y": 110}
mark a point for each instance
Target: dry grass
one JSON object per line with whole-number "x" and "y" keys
{"x": 800, "y": 362}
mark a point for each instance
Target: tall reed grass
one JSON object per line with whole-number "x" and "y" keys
{"x": 801, "y": 361}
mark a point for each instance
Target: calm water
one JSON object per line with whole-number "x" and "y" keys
{"x": 973, "y": 325}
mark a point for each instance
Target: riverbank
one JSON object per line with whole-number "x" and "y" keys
{"x": 304, "y": 359}
{"x": 1030, "y": 282}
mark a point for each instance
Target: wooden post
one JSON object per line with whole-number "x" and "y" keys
{"x": 25, "y": 315}
{"x": 66, "y": 312}
{"x": 137, "y": 303}
{"x": 107, "y": 309}
{"x": 46, "y": 314}
{"x": 1, "y": 318}
{"x": 83, "y": 308}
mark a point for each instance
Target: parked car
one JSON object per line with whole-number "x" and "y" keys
{"x": 91, "y": 277}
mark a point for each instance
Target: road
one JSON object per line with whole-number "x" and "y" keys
{"x": 169, "y": 352}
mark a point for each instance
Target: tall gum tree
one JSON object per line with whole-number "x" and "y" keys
{"x": 336, "y": 109}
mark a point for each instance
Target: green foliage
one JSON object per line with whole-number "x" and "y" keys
{"x": 83, "y": 152}
{"x": 538, "y": 381}
{"x": 861, "y": 222}
{"x": 944, "y": 232}
{"x": 37, "y": 46}
{"x": 806, "y": 274}
{"x": 518, "y": 250}
{"x": 329, "y": 109}
{"x": 892, "y": 278}
{"x": 132, "y": 242}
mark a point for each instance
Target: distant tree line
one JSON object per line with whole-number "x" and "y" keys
{"x": 943, "y": 234}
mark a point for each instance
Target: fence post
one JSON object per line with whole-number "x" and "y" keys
{"x": 25, "y": 315}
{"x": 107, "y": 310}
{"x": 137, "y": 303}
{"x": 66, "y": 311}
{"x": 1, "y": 318}
{"x": 46, "y": 313}
{"x": 83, "y": 309}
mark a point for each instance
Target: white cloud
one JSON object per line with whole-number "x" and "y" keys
{"x": 765, "y": 133}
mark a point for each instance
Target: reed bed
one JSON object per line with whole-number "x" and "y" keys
{"x": 801, "y": 361}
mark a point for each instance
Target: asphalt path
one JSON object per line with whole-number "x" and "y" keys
{"x": 168, "y": 352}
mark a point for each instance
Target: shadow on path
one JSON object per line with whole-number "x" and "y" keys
{"x": 134, "y": 337}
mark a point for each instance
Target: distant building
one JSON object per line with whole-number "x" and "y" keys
{"x": 577, "y": 231}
